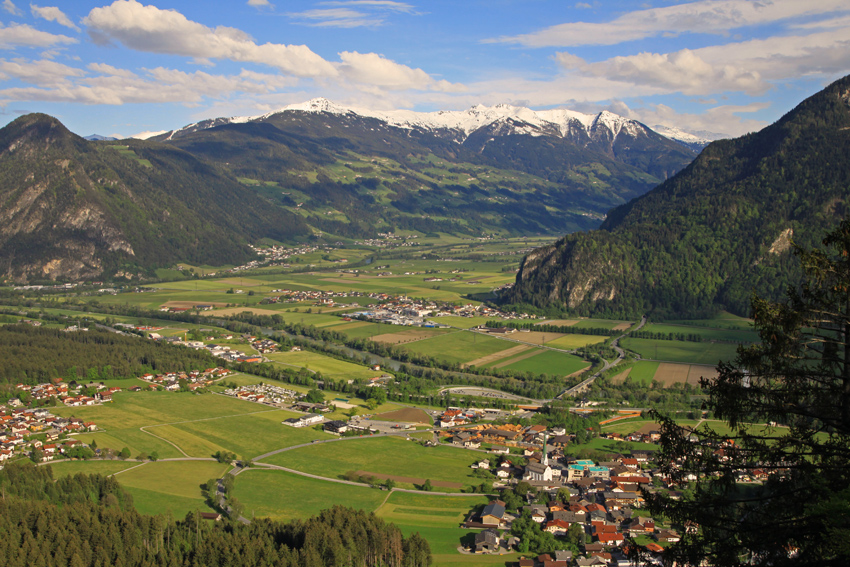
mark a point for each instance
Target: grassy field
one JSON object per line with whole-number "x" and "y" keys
{"x": 708, "y": 334}
{"x": 383, "y": 455}
{"x": 550, "y": 362}
{"x": 106, "y": 468}
{"x": 170, "y": 486}
{"x": 437, "y": 519}
{"x": 681, "y": 351}
{"x": 198, "y": 424}
{"x": 643, "y": 372}
{"x": 575, "y": 341}
{"x": 329, "y": 367}
{"x": 459, "y": 347}
{"x": 722, "y": 320}
{"x": 245, "y": 435}
{"x": 285, "y": 496}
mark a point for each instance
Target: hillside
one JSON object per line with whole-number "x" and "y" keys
{"x": 498, "y": 169}
{"x": 714, "y": 233}
{"x": 76, "y": 209}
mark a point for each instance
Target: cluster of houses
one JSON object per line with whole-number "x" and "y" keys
{"x": 320, "y": 298}
{"x": 22, "y": 431}
{"x": 603, "y": 502}
{"x": 68, "y": 394}
{"x": 263, "y": 394}
{"x": 193, "y": 380}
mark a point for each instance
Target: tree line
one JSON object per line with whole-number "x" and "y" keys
{"x": 88, "y": 520}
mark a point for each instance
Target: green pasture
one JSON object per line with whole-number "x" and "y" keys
{"x": 459, "y": 347}
{"x": 681, "y": 351}
{"x": 329, "y": 367}
{"x": 106, "y": 468}
{"x": 723, "y": 320}
{"x": 173, "y": 486}
{"x": 707, "y": 333}
{"x": 383, "y": 455}
{"x": 137, "y": 409}
{"x": 575, "y": 341}
{"x": 549, "y": 362}
{"x": 136, "y": 440}
{"x": 285, "y": 496}
{"x": 598, "y": 323}
{"x": 245, "y": 435}
{"x": 631, "y": 425}
{"x": 462, "y": 322}
{"x": 643, "y": 372}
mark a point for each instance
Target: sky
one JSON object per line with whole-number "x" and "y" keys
{"x": 119, "y": 68}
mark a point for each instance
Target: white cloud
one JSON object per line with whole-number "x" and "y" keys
{"x": 109, "y": 85}
{"x": 10, "y": 7}
{"x": 53, "y": 14}
{"x": 382, "y": 4}
{"x": 682, "y": 71}
{"x": 147, "y": 28}
{"x": 337, "y": 18}
{"x": 729, "y": 120}
{"x": 43, "y": 72}
{"x": 25, "y": 35}
{"x": 377, "y": 71}
{"x": 706, "y": 16}
{"x": 260, "y": 3}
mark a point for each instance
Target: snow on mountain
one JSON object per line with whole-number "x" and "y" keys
{"x": 147, "y": 135}
{"x": 461, "y": 123}
{"x": 695, "y": 141}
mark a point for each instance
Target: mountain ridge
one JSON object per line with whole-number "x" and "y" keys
{"x": 714, "y": 233}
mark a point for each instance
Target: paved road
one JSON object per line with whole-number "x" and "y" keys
{"x": 621, "y": 354}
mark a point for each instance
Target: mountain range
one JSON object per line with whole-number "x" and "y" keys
{"x": 77, "y": 208}
{"x": 714, "y": 234}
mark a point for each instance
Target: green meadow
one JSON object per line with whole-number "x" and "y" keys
{"x": 284, "y": 496}
{"x": 383, "y": 455}
{"x": 681, "y": 351}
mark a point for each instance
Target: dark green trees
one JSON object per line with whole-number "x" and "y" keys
{"x": 776, "y": 494}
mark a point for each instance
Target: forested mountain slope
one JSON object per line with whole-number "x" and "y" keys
{"x": 77, "y": 209}
{"x": 717, "y": 231}
{"x": 501, "y": 168}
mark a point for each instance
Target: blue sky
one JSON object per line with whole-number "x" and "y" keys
{"x": 123, "y": 67}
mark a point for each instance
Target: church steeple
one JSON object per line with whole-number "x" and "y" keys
{"x": 545, "y": 456}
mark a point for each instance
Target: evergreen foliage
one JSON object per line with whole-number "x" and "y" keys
{"x": 33, "y": 355}
{"x": 84, "y": 521}
{"x": 797, "y": 380}
{"x": 708, "y": 237}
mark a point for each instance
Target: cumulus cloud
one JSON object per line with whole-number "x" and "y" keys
{"x": 27, "y": 36}
{"x": 147, "y": 28}
{"x": 260, "y": 3}
{"x": 749, "y": 67}
{"x": 10, "y": 7}
{"x": 105, "y": 84}
{"x": 375, "y": 70}
{"x": 53, "y": 14}
{"x": 43, "y": 72}
{"x": 682, "y": 71}
{"x": 706, "y": 16}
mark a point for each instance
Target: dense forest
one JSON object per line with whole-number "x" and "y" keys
{"x": 715, "y": 233}
{"x": 88, "y": 520}
{"x": 32, "y": 355}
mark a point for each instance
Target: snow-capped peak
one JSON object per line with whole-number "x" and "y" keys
{"x": 462, "y": 123}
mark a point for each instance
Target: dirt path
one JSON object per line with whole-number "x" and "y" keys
{"x": 497, "y": 355}
{"x": 535, "y": 352}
